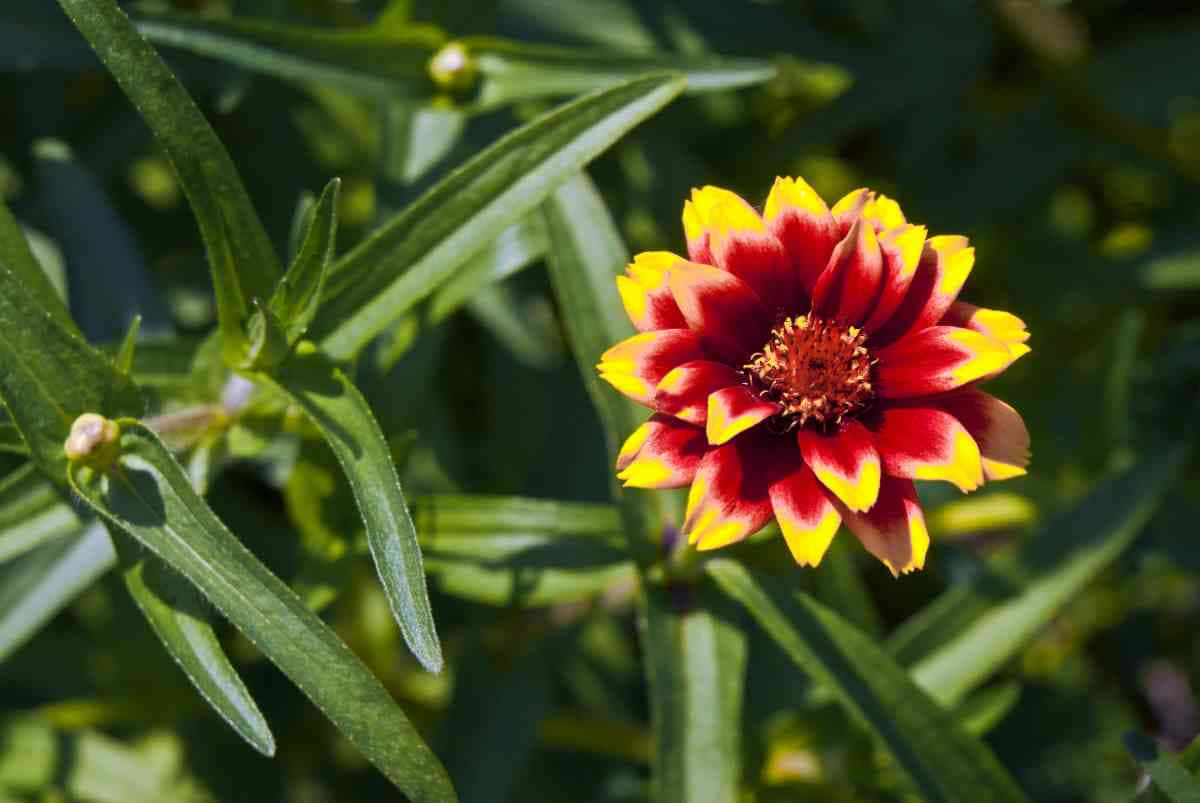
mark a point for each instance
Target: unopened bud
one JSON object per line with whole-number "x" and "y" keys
{"x": 93, "y": 441}
{"x": 453, "y": 67}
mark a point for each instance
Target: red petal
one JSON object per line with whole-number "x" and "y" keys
{"x": 926, "y": 444}
{"x": 894, "y": 529}
{"x": 647, "y": 295}
{"x": 849, "y": 286}
{"x": 936, "y": 360}
{"x": 901, "y": 249}
{"x": 635, "y": 366}
{"x": 846, "y": 462}
{"x": 944, "y": 267}
{"x": 685, "y": 390}
{"x": 731, "y": 320}
{"x": 798, "y": 217}
{"x": 733, "y": 410}
{"x": 996, "y": 427}
{"x": 662, "y": 453}
{"x": 807, "y": 518}
{"x": 729, "y": 499}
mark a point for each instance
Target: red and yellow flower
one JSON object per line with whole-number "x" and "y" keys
{"x": 807, "y": 364}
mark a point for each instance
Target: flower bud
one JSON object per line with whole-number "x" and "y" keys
{"x": 93, "y": 441}
{"x": 453, "y": 68}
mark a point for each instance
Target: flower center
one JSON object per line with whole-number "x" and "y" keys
{"x": 819, "y": 371}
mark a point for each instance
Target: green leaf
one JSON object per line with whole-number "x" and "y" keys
{"x": 40, "y": 583}
{"x": 409, "y": 257}
{"x": 515, "y": 71}
{"x": 17, "y": 256}
{"x": 376, "y": 61}
{"x": 148, "y": 495}
{"x": 1177, "y": 271}
{"x": 943, "y": 761}
{"x": 49, "y": 376}
{"x": 521, "y": 552}
{"x": 1064, "y": 559}
{"x": 179, "y": 616}
{"x": 696, "y": 674}
{"x": 295, "y": 300}
{"x": 123, "y": 361}
{"x": 341, "y": 414}
{"x": 526, "y": 327}
{"x": 31, "y": 513}
{"x": 1169, "y": 775}
{"x": 514, "y": 249}
{"x": 243, "y": 263}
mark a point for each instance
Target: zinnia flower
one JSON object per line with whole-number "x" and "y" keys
{"x": 808, "y": 364}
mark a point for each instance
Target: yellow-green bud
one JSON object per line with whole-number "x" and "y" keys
{"x": 93, "y": 441}
{"x": 453, "y": 67}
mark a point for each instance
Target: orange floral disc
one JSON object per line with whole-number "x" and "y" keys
{"x": 807, "y": 365}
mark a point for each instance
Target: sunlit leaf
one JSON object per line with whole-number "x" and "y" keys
{"x": 943, "y": 761}
{"x": 31, "y": 512}
{"x": 514, "y": 71}
{"x": 179, "y": 616}
{"x": 338, "y": 409}
{"x": 242, "y": 260}
{"x": 409, "y": 257}
{"x": 16, "y": 255}
{"x": 148, "y": 495}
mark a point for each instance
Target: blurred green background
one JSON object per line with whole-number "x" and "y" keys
{"x": 1062, "y": 137}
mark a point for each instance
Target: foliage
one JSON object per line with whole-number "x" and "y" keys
{"x": 340, "y": 273}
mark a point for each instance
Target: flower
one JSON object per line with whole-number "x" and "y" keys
{"x": 807, "y": 364}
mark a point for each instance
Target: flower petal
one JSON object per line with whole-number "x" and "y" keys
{"x": 845, "y": 461}
{"x": 635, "y": 366}
{"x": 944, "y": 267}
{"x": 662, "y": 453}
{"x": 727, "y": 231}
{"x": 996, "y": 427}
{"x": 849, "y": 208}
{"x": 685, "y": 390}
{"x": 936, "y": 360}
{"x": 901, "y": 249}
{"x": 848, "y": 287}
{"x": 926, "y": 444}
{"x": 807, "y": 518}
{"x": 1004, "y": 326}
{"x": 801, "y": 221}
{"x": 894, "y": 529}
{"x": 715, "y": 209}
{"x": 733, "y": 410}
{"x": 646, "y": 294}
{"x": 728, "y": 499}
{"x": 731, "y": 320}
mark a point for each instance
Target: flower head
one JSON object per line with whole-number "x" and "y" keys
{"x": 807, "y": 364}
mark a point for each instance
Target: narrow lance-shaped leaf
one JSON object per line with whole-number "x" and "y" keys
{"x": 16, "y": 254}
{"x": 295, "y": 300}
{"x": 40, "y": 583}
{"x": 513, "y": 71}
{"x": 696, "y": 668}
{"x": 375, "y": 61}
{"x": 179, "y": 616}
{"x": 278, "y": 326}
{"x": 943, "y": 761}
{"x": 387, "y": 60}
{"x": 147, "y": 494}
{"x": 419, "y": 249}
{"x": 244, "y": 265}
{"x": 50, "y": 377}
{"x": 340, "y": 412}
{"x": 1066, "y": 556}
{"x": 1168, "y": 774}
